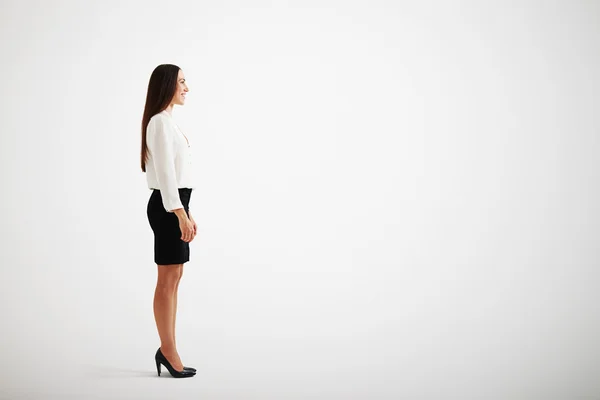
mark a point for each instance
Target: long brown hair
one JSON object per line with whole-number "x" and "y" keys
{"x": 161, "y": 89}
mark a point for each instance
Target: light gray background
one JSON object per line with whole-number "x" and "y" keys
{"x": 396, "y": 200}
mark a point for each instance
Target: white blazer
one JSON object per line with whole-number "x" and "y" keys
{"x": 169, "y": 163}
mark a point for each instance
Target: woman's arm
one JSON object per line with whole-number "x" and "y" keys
{"x": 159, "y": 135}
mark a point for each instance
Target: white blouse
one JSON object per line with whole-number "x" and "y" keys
{"x": 169, "y": 163}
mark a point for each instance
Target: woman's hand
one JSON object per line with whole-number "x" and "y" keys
{"x": 187, "y": 229}
{"x": 194, "y": 223}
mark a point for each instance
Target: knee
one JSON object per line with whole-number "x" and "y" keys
{"x": 166, "y": 286}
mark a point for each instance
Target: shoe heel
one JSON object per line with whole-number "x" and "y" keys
{"x": 158, "y": 367}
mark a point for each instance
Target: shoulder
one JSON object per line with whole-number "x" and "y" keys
{"x": 160, "y": 120}
{"x": 160, "y": 117}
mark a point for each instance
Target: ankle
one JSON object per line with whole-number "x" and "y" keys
{"x": 168, "y": 349}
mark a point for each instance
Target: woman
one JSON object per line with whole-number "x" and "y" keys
{"x": 166, "y": 160}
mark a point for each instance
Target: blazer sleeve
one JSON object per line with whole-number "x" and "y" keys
{"x": 160, "y": 138}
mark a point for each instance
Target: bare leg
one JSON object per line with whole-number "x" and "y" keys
{"x": 175, "y": 303}
{"x": 164, "y": 298}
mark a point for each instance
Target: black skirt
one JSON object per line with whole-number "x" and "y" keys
{"x": 169, "y": 248}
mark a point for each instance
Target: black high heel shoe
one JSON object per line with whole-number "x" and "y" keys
{"x": 189, "y": 369}
{"x": 161, "y": 359}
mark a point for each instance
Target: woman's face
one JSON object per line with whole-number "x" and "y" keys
{"x": 180, "y": 90}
